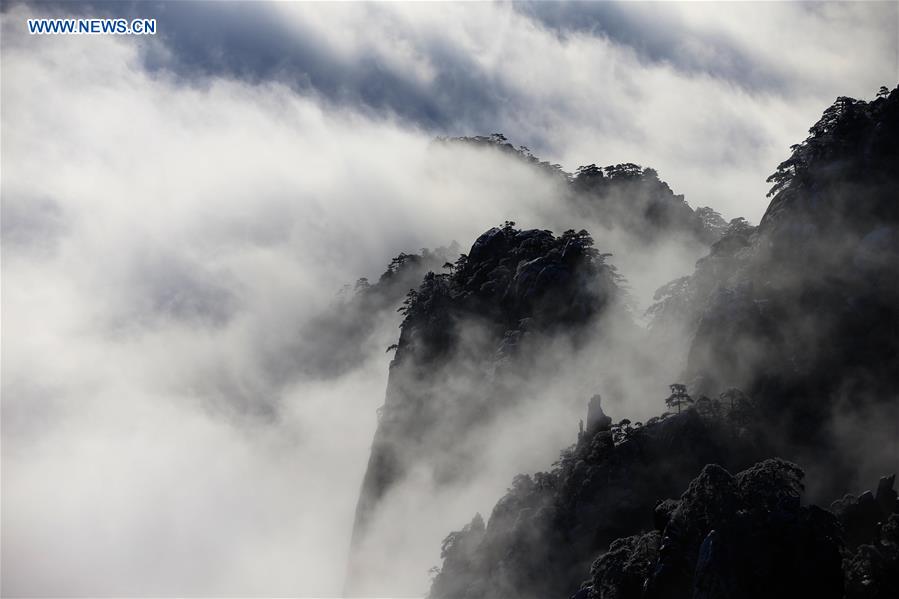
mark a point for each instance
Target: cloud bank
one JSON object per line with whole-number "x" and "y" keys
{"x": 711, "y": 95}
{"x": 174, "y": 209}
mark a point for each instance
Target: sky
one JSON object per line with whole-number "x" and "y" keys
{"x": 175, "y": 207}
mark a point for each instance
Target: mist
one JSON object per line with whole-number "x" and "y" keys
{"x": 169, "y": 234}
{"x": 160, "y": 255}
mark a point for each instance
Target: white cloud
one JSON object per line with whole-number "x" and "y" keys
{"x": 162, "y": 237}
{"x": 584, "y": 97}
{"x": 161, "y": 243}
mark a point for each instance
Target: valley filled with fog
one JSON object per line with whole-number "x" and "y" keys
{"x": 192, "y": 373}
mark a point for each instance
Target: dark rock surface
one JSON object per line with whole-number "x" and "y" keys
{"x": 835, "y": 200}
{"x": 802, "y": 313}
{"x": 596, "y": 418}
{"x": 543, "y": 535}
{"x": 747, "y": 536}
{"x": 727, "y": 536}
{"x": 469, "y": 342}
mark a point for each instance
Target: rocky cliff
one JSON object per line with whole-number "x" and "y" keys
{"x": 800, "y": 312}
{"x": 468, "y": 341}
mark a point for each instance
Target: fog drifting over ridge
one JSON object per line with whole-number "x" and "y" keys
{"x": 166, "y": 233}
{"x": 181, "y": 238}
{"x": 711, "y": 95}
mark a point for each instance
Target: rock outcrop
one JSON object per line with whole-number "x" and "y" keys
{"x": 747, "y": 536}
{"x": 542, "y": 536}
{"x": 624, "y": 197}
{"x": 802, "y": 313}
{"x": 469, "y": 343}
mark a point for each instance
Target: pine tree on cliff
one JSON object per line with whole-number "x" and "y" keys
{"x": 679, "y": 397}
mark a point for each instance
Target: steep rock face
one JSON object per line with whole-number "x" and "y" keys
{"x": 748, "y": 536}
{"x": 745, "y": 535}
{"x": 622, "y": 571}
{"x": 870, "y": 525}
{"x": 469, "y": 343}
{"x": 543, "y": 535}
{"x": 802, "y": 312}
{"x": 828, "y": 246}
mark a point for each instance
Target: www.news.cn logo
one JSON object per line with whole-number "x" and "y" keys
{"x": 92, "y": 26}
